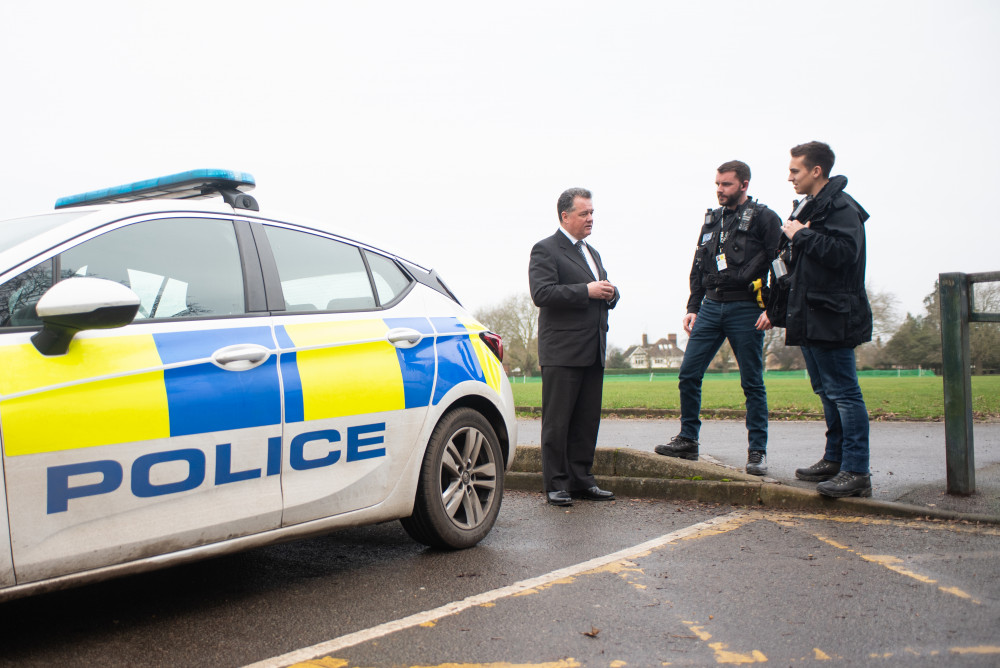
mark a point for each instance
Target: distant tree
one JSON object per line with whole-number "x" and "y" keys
{"x": 785, "y": 357}
{"x": 773, "y": 338}
{"x": 885, "y": 313}
{"x": 616, "y": 359}
{"x": 885, "y": 322}
{"x": 515, "y": 319}
{"x": 917, "y": 341}
{"x": 724, "y": 360}
{"x": 984, "y": 337}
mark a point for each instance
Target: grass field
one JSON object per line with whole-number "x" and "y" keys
{"x": 915, "y": 398}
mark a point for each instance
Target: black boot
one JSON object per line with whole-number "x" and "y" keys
{"x": 680, "y": 446}
{"x": 846, "y": 483}
{"x": 824, "y": 469}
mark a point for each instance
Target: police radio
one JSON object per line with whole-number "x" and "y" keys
{"x": 780, "y": 263}
{"x": 800, "y": 207}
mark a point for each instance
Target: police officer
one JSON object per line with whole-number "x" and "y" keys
{"x": 735, "y": 247}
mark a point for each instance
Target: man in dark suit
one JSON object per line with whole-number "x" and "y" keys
{"x": 570, "y": 287}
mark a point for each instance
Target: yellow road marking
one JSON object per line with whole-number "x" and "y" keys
{"x": 982, "y": 649}
{"x": 892, "y": 563}
{"x": 351, "y": 639}
{"x": 721, "y": 649}
{"x": 791, "y": 519}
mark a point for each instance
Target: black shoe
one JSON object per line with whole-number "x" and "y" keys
{"x": 756, "y": 462}
{"x": 594, "y": 493}
{"x": 560, "y": 498}
{"x": 846, "y": 483}
{"x": 824, "y": 469}
{"x": 680, "y": 446}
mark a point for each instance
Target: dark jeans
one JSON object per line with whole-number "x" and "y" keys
{"x": 834, "y": 377}
{"x": 716, "y": 322}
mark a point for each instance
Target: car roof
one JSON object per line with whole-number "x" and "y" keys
{"x": 79, "y": 220}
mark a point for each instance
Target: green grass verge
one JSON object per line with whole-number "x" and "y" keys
{"x": 909, "y": 398}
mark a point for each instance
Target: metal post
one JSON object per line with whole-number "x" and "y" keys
{"x": 955, "y": 356}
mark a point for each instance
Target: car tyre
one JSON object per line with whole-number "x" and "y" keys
{"x": 461, "y": 483}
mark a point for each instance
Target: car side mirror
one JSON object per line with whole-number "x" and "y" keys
{"x": 80, "y": 303}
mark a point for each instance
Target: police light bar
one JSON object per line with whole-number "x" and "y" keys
{"x": 194, "y": 184}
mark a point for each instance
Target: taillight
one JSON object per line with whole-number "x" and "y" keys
{"x": 494, "y": 343}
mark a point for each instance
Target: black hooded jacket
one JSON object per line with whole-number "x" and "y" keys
{"x": 827, "y": 303}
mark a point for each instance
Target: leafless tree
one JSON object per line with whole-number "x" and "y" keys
{"x": 885, "y": 313}
{"x": 516, "y": 320}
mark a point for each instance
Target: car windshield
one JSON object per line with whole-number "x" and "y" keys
{"x": 16, "y": 230}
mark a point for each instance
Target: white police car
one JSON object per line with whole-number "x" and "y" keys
{"x": 182, "y": 377}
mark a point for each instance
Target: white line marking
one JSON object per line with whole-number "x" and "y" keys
{"x": 375, "y": 632}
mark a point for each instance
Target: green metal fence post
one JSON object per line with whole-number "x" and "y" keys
{"x": 959, "y": 458}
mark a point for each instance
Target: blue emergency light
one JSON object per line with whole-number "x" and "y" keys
{"x": 194, "y": 184}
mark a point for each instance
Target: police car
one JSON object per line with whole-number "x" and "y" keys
{"x": 182, "y": 375}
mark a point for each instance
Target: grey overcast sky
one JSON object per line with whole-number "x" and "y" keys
{"x": 445, "y": 131}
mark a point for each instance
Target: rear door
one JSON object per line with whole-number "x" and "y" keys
{"x": 357, "y": 365}
{"x": 151, "y": 438}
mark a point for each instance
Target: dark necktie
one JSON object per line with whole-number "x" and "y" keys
{"x": 579, "y": 247}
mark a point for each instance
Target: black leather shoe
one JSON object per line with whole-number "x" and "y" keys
{"x": 680, "y": 446}
{"x": 594, "y": 493}
{"x": 824, "y": 469}
{"x": 846, "y": 483}
{"x": 560, "y": 498}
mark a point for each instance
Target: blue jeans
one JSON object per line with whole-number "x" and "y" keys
{"x": 716, "y": 322}
{"x": 834, "y": 377}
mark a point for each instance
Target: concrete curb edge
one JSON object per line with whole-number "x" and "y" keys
{"x": 631, "y": 473}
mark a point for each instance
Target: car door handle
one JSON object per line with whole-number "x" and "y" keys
{"x": 404, "y": 337}
{"x": 240, "y": 357}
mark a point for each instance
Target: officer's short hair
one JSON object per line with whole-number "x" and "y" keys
{"x": 565, "y": 202}
{"x": 815, "y": 153}
{"x": 742, "y": 169}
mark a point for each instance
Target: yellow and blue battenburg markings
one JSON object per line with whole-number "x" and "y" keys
{"x": 115, "y": 389}
{"x": 118, "y": 391}
{"x": 205, "y": 398}
{"x": 462, "y": 358}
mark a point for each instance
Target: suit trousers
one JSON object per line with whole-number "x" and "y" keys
{"x": 571, "y": 416}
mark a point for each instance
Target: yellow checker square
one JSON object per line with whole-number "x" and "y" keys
{"x": 354, "y": 375}
{"x": 96, "y": 410}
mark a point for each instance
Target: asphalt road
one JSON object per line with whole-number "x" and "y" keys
{"x": 630, "y": 582}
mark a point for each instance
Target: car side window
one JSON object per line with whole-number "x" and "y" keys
{"x": 390, "y": 281}
{"x": 179, "y": 267}
{"x": 19, "y": 295}
{"x": 319, "y": 274}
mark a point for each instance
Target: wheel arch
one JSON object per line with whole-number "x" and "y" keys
{"x": 488, "y": 410}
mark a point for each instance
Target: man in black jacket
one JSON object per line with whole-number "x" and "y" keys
{"x": 828, "y": 313}
{"x": 569, "y": 284}
{"x": 735, "y": 247}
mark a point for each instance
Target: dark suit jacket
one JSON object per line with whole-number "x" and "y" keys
{"x": 572, "y": 327}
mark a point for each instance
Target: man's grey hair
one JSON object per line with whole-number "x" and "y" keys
{"x": 565, "y": 202}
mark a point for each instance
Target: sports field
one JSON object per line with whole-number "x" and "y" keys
{"x": 903, "y": 397}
